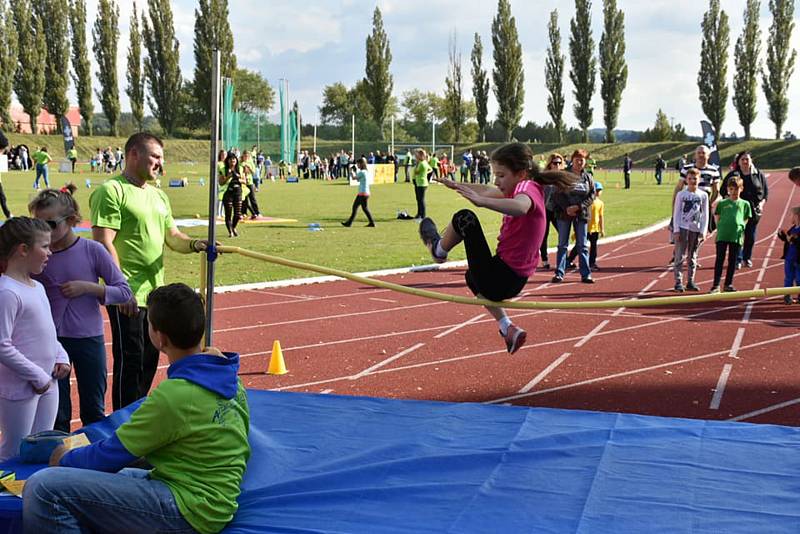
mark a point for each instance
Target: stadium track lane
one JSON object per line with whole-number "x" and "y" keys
{"x": 659, "y": 361}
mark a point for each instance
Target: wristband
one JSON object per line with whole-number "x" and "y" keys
{"x": 192, "y": 244}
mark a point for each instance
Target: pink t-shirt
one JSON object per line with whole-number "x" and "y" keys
{"x": 520, "y": 237}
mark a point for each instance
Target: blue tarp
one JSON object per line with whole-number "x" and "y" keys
{"x": 331, "y": 464}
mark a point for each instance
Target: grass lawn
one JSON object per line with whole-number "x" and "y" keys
{"x": 393, "y": 243}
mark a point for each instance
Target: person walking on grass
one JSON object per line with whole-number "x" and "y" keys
{"x": 627, "y": 168}
{"x": 690, "y": 221}
{"x": 72, "y": 156}
{"x": 42, "y": 158}
{"x": 732, "y": 215}
{"x": 233, "y": 182}
{"x": 661, "y": 166}
{"x": 362, "y": 196}
{"x": 3, "y": 202}
{"x": 791, "y": 254}
{"x": 518, "y": 194}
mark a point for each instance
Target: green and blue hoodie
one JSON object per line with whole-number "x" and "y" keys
{"x": 193, "y": 430}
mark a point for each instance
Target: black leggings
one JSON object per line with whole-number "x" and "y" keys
{"x": 232, "y": 200}
{"x": 360, "y": 200}
{"x": 3, "y": 203}
{"x": 733, "y": 253}
{"x": 419, "y": 192}
{"x": 487, "y": 274}
{"x": 250, "y": 203}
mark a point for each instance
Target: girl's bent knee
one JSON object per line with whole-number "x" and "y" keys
{"x": 465, "y": 221}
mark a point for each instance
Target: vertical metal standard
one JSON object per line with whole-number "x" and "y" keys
{"x": 391, "y": 149}
{"x": 213, "y": 188}
{"x": 433, "y": 135}
{"x": 353, "y": 136}
{"x": 258, "y": 130}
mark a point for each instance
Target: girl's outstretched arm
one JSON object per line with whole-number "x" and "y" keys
{"x": 489, "y": 191}
{"x": 517, "y": 206}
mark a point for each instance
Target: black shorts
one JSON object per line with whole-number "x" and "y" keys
{"x": 487, "y": 275}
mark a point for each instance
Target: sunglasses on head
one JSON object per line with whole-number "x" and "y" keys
{"x": 557, "y": 161}
{"x": 54, "y": 224}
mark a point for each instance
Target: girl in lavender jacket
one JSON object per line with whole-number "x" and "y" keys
{"x": 30, "y": 355}
{"x": 71, "y": 282}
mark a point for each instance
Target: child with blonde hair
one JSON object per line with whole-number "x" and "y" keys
{"x": 791, "y": 254}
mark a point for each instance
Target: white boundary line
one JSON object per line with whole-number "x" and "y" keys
{"x": 720, "y": 389}
{"x": 459, "y": 326}
{"x": 591, "y": 334}
{"x": 387, "y": 361}
{"x": 768, "y": 409}
{"x": 547, "y": 370}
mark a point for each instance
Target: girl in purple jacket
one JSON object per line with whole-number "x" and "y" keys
{"x": 71, "y": 280}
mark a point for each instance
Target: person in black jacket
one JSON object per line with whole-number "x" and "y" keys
{"x": 3, "y": 203}
{"x": 572, "y": 211}
{"x": 756, "y": 191}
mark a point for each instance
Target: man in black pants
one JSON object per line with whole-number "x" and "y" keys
{"x": 627, "y": 167}
{"x": 132, "y": 219}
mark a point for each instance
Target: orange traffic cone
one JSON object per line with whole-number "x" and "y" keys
{"x": 276, "y": 364}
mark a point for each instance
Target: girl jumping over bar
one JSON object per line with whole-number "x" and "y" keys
{"x": 518, "y": 195}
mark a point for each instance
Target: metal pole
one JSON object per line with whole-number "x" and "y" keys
{"x": 392, "y": 147}
{"x": 433, "y": 135}
{"x": 213, "y": 188}
{"x": 258, "y": 129}
{"x": 315, "y": 134}
{"x": 353, "y": 137}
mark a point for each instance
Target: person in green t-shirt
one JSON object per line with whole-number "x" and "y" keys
{"x": 72, "y": 156}
{"x": 421, "y": 173}
{"x": 42, "y": 158}
{"x": 732, "y": 215}
{"x": 132, "y": 219}
{"x": 192, "y": 429}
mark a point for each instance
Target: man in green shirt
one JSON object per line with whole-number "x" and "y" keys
{"x": 132, "y": 219}
{"x": 192, "y": 429}
{"x": 42, "y": 158}
{"x": 72, "y": 156}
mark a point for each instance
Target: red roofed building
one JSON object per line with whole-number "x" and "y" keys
{"x": 45, "y": 123}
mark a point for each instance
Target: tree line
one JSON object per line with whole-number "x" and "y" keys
{"x": 459, "y": 118}
{"x": 40, "y": 40}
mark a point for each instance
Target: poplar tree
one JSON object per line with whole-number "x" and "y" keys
{"x": 780, "y": 62}
{"x": 29, "y": 80}
{"x": 480, "y": 86}
{"x": 378, "y": 82}
{"x": 454, "y": 91}
{"x": 161, "y": 65}
{"x": 54, "y": 15}
{"x": 583, "y": 64}
{"x": 8, "y": 63}
{"x": 747, "y": 66}
{"x": 711, "y": 79}
{"x": 508, "y": 75}
{"x": 106, "y": 36}
{"x": 81, "y": 68}
{"x": 613, "y": 67}
{"x": 554, "y": 76}
{"x": 212, "y": 31}
{"x": 135, "y": 90}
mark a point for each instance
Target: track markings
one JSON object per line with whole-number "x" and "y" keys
{"x": 383, "y": 300}
{"x": 767, "y": 409}
{"x": 547, "y": 370}
{"x": 387, "y": 361}
{"x": 591, "y": 334}
{"x": 459, "y": 326}
{"x": 720, "y": 389}
{"x": 737, "y": 344}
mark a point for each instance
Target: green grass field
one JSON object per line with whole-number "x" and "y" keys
{"x": 393, "y": 243}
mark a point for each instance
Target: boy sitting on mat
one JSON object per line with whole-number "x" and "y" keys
{"x": 192, "y": 429}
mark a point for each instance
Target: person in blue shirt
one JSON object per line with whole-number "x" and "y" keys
{"x": 362, "y": 196}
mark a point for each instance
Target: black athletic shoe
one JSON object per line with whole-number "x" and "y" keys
{"x": 430, "y": 237}
{"x": 730, "y": 289}
{"x": 691, "y": 286}
{"x": 587, "y": 280}
{"x": 556, "y": 279}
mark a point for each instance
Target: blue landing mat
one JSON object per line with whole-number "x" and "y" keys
{"x": 330, "y": 464}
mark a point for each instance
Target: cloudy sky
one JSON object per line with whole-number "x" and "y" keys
{"x": 314, "y": 43}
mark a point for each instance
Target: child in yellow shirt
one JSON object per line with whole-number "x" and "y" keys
{"x": 596, "y": 230}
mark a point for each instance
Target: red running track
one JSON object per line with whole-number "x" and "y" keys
{"x": 731, "y": 360}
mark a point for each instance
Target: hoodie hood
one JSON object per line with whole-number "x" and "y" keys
{"x": 218, "y": 374}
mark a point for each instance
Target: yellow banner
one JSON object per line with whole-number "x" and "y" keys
{"x": 384, "y": 173}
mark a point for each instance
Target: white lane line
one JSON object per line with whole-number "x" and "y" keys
{"x": 276, "y": 294}
{"x": 387, "y": 361}
{"x": 665, "y": 273}
{"x": 591, "y": 334}
{"x": 768, "y": 409}
{"x": 648, "y": 287}
{"x": 633, "y": 371}
{"x": 383, "y": 300}
{"x": 326, "y": 391}
{"x": 547, "y": 370}
{"x": 296, "y": 301}
{"x": 720, "y": 389}
{"x": 459, "y": 326}
{"x": 737, "y": 344}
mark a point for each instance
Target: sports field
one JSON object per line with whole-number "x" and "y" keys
{"x": 392, "y": 243}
